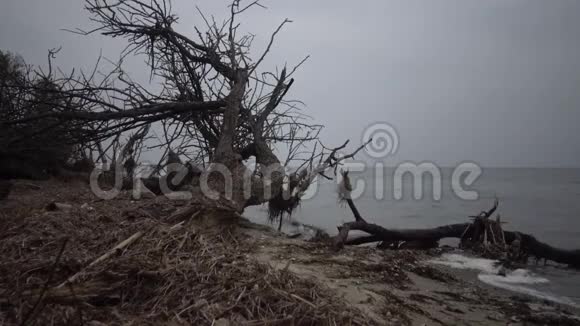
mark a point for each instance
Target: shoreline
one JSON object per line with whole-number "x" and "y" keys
{"x": 403, "y": 287}
{"x": 239, "y": 274}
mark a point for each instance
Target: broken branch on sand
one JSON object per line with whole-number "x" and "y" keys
{"x": 103, "y": 257}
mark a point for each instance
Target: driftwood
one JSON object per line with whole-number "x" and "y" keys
{"x": 105, "y": 256}
{"x": 529, "y": 244}
{"x": 95, "y": 290}
{"x": 378, "y": 233}
{"x": 37, "y": 307}
{"x": 483, "y": 231}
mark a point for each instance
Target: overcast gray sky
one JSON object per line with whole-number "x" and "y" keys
{"x": 496, "y": 81}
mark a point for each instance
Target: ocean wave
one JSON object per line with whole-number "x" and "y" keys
{"x": 514, "y": 281}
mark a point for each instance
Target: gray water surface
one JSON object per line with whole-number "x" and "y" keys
{"x": 543, "y": 202}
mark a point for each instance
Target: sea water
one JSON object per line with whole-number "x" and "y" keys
{"x": 543, "y": 202}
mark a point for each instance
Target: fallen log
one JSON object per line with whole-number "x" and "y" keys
{"x": 538, "y": 249}
{"x": 482, "y": 231}
{"x": 381, "y": 234}
{"x": 529, "y": 244}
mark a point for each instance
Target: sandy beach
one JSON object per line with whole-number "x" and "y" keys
{"x": 304, "y": 282}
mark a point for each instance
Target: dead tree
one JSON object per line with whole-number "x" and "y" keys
{"x": 216, "y": 101}
{"x": 23, "y": 153}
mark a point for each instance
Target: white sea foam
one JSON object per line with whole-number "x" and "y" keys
{"x": 464, "y": 262}
{"x": 519, "y": 276}
{"x": 500, "y": 282}
{"x": 512, "y": 281}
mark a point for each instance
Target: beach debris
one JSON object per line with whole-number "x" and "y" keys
{"x": 140, "y": 191}
{"x": 27, "y": 185}
{"x": 108, "y": 254}
{"x": 55, "y": 206}
{"x": 87, "y": 207}
{"x": 145, "y": 267}
{"x": 179, "y": 195}
{"x": 484, "y": 236}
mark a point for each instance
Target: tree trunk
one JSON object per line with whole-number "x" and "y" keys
{"x": 529, "y": 243}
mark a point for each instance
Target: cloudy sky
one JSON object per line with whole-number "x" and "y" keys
{"x": 496, "y": 82}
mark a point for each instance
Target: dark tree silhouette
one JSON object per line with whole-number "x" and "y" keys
{"x": 215, "y": 100}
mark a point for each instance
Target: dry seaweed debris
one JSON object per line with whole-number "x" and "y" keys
{"x": 388, "y": 266}
{"x": 170, "y": 273}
